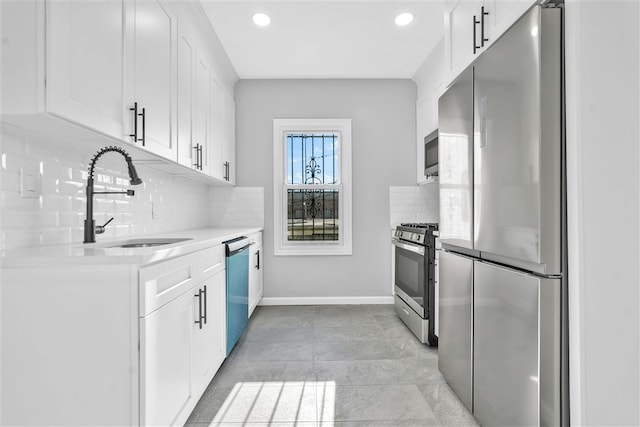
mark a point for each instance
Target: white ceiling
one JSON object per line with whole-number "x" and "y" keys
{"x": 326, "y": 39}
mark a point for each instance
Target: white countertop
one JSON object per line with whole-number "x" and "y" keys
{"x": 103, "y": 252}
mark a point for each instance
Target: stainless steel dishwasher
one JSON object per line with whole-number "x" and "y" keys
{"x": 237, "y": 276}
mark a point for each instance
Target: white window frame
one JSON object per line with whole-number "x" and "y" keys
{"x": 283, "y": 247}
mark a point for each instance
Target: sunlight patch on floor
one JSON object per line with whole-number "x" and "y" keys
{"x": 278, "y": 401}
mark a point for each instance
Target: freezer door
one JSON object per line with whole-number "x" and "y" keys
{"x": 517, "y": 146}
{"x": 455, "y": 162}
{"x": 455, "y": 324}
{"x": 516, "y": 348}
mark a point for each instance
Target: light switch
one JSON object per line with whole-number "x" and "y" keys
{"x": 30, "y": 183}
{"x": 154, "y": 210}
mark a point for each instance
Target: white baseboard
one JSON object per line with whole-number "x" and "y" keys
{"x": 325, "y": 300}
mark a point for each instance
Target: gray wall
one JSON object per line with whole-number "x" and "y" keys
{"x": 383, "y": 150}
{"x": 603, "y": 58}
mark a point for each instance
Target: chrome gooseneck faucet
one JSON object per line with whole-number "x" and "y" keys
{"x": 90, "y": 227}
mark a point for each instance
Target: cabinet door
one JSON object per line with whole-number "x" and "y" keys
{"x": 229, "y": 137}
{"x": 184, "y": 113}
{"x": 459, "y": 34}
{"x": 165, "y": 357}
{"x": 216, "y": 164}
{"x": 260, "y": 276}
{"x": 85, "y": 63}
{"x": 423, "y": 123}
{"x": 255, "y": 278}
{"x": 202, "y": 110}
{"x": 209, "y": 348}
{"x": 152, "y": 85}
{"x": 503, "y": 13}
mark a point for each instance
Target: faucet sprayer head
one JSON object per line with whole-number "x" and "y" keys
{"x": 134, "y": 179}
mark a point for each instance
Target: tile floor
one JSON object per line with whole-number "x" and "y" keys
{"x": 343, "y": 366}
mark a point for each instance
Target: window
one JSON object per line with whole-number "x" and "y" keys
{"x": 312, "y": 186}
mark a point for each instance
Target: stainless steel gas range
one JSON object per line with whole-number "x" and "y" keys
{"x": 415, "y": 279}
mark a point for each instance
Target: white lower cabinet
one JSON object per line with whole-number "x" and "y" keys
{"x": 182, "y": 343}
{"x": 256, "y": 276}
{"x": 208, "y": 330}
{"x": 69, "y": 346}
{"x": 111, "y": 344}
{"x": 165, "y": 357}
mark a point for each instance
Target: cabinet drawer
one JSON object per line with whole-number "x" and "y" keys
{"x": 161, "y": 283}
{"x": 209, "y": 261}
{"x": 255, "y": 239}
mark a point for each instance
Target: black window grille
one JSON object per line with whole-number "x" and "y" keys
{"x": 314, "y": 189}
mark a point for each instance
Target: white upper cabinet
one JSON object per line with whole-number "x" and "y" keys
{"x": 186, "y": 61}
{"x": 194, "y": 101}
{"x": 460, "y": 25}
{"x": 505, "y": 13}
{"x": 72, "y": 68}
{"x": 424, "y": 125}
{"x": 229, "y": 138}
{"x": 471, "y": 26}
{"x": 430, "y": 82}
{"x": 216, "y": 164}
{"x": 202, "y": 112}
{"x": 85, "y": 62}
{"x": 200, "y": 107}
{"x": 149, "y": 88}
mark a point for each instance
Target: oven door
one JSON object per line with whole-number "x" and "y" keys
{"x": 410, "y": 271}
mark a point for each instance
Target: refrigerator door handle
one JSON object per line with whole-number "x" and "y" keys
{"x": 483, "y": 121}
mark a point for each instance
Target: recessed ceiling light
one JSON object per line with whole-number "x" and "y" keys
{"x": 261, "y": 19}
{"x": 404, "y": 19}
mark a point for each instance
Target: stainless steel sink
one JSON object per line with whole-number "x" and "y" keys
{"x": 145, "y": 243}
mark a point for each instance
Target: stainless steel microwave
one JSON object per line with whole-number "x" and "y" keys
{"x": 431, "y": 154}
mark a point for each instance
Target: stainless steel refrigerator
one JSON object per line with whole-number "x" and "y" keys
{"x": 503, "y": 339}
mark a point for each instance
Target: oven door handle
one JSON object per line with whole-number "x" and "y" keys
{"x": 409, "y": 247}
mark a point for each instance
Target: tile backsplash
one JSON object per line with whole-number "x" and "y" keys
{"x": 236, "y": 206}
{"x": 417, "y": 203}
{"x": 163, "y": 203}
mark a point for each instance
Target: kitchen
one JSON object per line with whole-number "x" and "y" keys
{"x": 599, "y": 81}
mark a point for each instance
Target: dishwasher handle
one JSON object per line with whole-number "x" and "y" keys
{"x": 237, "y": 245}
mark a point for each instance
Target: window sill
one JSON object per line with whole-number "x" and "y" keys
{"x": 315, "y": 250}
